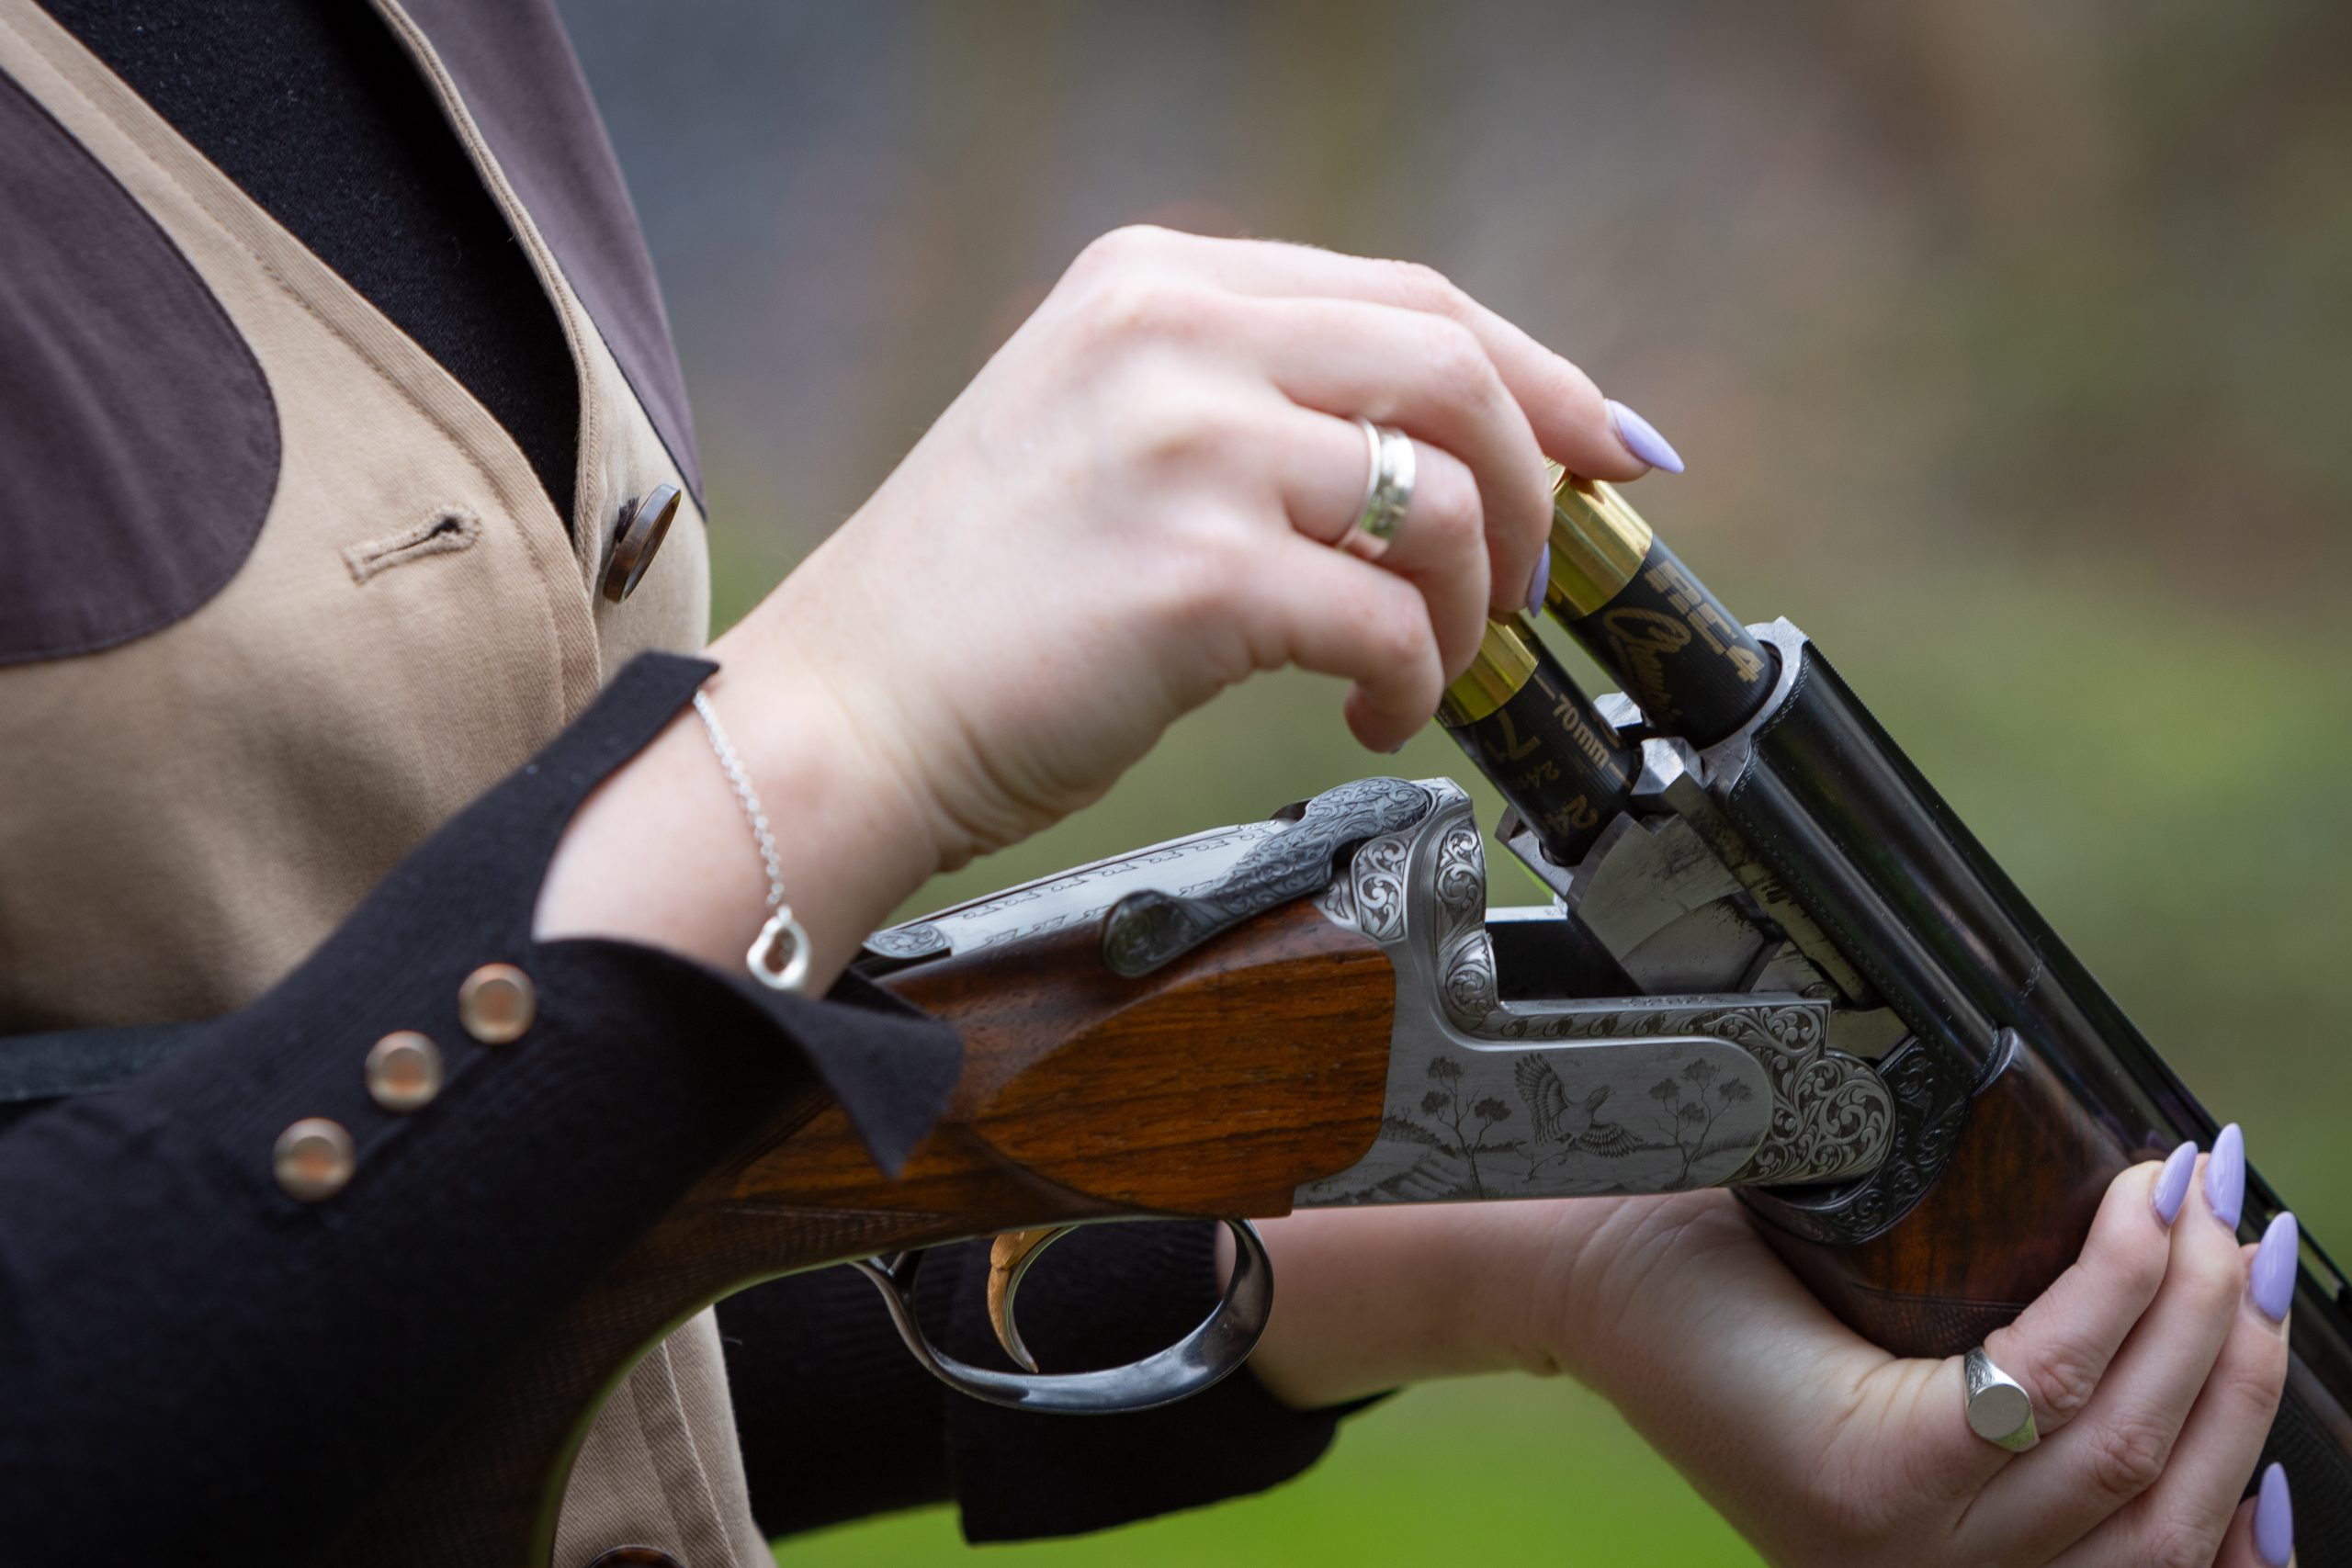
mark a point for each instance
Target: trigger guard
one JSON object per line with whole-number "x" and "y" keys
{"x": 1209, "y": 1354}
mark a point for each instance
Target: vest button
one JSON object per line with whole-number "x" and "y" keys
{"x": 313, "y": 1159}
{"x": 404, "y": 1071}
{"x": 497, "y": 1003}
{"x": 636, "y": 1557}
{"x": 644, "y": 524}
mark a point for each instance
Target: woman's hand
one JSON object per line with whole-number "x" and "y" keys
{"x": 2155, "y": 1372}
{"x": 1134, "y": 503}
{"x": 1133, "y": 506}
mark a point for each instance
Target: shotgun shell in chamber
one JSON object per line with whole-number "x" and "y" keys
{"x": 1692, "y": 669}
{"x": 1516, "y": 714}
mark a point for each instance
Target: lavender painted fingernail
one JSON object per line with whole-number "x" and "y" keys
{"x": 2226, "y": 1176}
{"x": 2172, "y": 1181}
{"x": 2273, "y": 1269}
{"x": 2274, "y": 1519}
{"x": 1642, "y": 439}
{"x": 1541, "y": 583}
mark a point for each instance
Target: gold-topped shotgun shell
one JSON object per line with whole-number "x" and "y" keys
{"x": 1504, "y": 660}
{"x": 497, "y": 1003}
{"x": 644, "y": 524}
{"x": 313, "y": 1159}
{"x": 1598, "y": 544}
{"x": 404, "y": 1071}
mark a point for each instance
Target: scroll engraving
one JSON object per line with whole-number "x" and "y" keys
{"x": 1147, "y": 929}
{"x": 1829, "y": 1113}
{"x": 1930, "y": 1086}
{"x": 1371, "y": 896}
{"x": 1630, "y": 1094}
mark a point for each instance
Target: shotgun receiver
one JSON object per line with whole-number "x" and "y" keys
{"x": 1773, "y": 960}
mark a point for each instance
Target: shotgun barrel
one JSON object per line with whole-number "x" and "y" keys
{"x": 2022, "y": 1088}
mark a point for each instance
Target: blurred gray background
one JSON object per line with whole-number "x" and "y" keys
{"x": 2009, "y": 346}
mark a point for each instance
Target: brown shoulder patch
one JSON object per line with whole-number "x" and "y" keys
{"x": 139, "y": 443}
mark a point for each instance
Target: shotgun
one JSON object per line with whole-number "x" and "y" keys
{"x": 1773, "y": 960}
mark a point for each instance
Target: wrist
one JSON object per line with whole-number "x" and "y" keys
{"x": 663, "y": 853}
{"x": 1368, "y": 1300}
{"x": 851, "y": 840}
{"x": 1599, "y": 1312}
{"x": 841, "y": 696}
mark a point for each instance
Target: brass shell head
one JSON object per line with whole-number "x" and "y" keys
{"x": 1506, "y": 658}
{"x": 1598, "y": 544}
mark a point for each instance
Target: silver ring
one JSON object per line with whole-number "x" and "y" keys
{"x": 1388, "y": 490}
{"x": 1999, "y": 1409}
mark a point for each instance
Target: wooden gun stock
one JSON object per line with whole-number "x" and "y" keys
{"x": 1214, "y": 1085}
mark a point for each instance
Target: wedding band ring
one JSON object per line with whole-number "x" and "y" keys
{"x": 1388, "y": 490}
{"x": 1999, "y": 1410}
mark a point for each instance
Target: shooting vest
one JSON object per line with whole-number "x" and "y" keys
{"x": 329, "y": 663}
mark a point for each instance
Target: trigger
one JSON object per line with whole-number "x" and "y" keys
{"x": 1009, "y": 1257}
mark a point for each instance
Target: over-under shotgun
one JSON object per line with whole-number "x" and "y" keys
{"x": 1774, "y": 960}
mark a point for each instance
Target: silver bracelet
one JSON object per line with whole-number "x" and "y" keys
{"x": 779, "y": 958}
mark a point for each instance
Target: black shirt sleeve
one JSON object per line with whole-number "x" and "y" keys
{"x": 189, "y": 1354}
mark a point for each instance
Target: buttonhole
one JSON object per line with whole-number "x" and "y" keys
{"x": 446, "y": 529}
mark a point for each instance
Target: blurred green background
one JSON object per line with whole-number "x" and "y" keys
{"x": 2009, "y": 346}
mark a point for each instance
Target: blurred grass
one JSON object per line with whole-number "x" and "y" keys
{"x": 2163, "y": 777}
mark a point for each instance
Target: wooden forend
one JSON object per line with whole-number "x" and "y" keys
{"x": 2008, "y": 1215}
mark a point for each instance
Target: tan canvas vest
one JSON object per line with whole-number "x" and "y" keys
{"x": 188, "y": 814}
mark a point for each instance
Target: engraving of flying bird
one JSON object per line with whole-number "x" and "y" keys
{"x": 1561, "y": 1120}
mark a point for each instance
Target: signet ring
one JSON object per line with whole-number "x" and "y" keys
{"x": 1999, "y": 1410}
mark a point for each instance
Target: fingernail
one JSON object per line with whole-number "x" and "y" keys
{"x": 2274, "y": 1519}
{"x": 1541, "y": 583}
{"x": 2226, "y": 1176}
{"x": 1400, "y": 746}
{"x": 1642, "y": 439}
{"x": 2273, "y": 1269}
{"x": 2172, "y": 1181}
